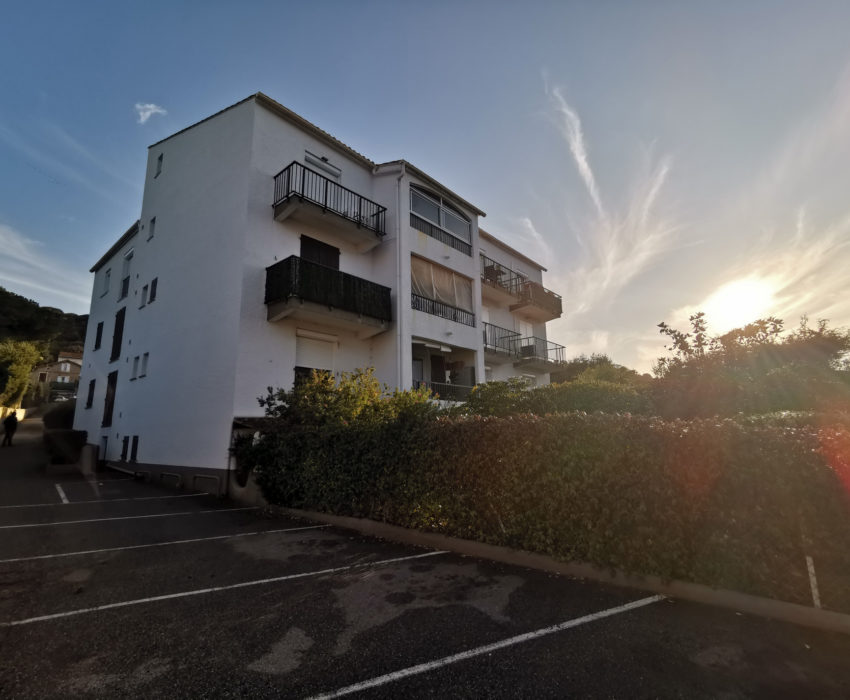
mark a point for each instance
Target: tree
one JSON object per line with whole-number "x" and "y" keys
{"x": 17, "y": 360}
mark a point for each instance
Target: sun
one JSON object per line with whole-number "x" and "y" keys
{"x": 739, "y": 302}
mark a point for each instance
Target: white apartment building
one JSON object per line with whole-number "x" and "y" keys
{"x": 266, "y": 248}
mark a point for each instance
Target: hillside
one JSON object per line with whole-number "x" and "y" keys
{"x": 24, "y": 319}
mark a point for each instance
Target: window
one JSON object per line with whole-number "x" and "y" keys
{"x": 118, "y": 334}
{"x": 90, "y": 397}
{"x": 134, "y": 448}
{"x": 152, "y": 294}
{"x": 125, "y": 275}
{"x": 442, "y": 292}
{"x": 135, "y": 368}
{"x": 321, "y": 163}
{"x": 62, "y": 379}
{"x": 158, "y": 165}
{"x": 65, "y": 367}
{"x": 42, "y": 377}
{"x": 439, "y": 212}
{"x": 151, "y": 227}
{"x": 125, "y": 446}
{"x": 144, "y": 296}
{"x": 320, "y": 253}
{"x": 98, "y": 335}
{"x": 144, "y": 369}
{"x": 109, "y": 401}
{"x": 107, "y": 276}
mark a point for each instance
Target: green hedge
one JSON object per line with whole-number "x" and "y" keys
{"x": 734, "y": 504}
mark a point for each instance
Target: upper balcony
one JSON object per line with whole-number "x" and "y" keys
{"x": 502, "y": 285}
{"x": 300, "y": 289}
{"x": 308, "y": 195}
{"x": 536, "y": 354}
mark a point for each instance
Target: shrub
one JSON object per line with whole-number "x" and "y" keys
{"x": 64, "y": 446}
{"x": 737, "y": 504}
{"x": 60, "y": 415}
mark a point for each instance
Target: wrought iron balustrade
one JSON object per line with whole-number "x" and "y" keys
{"x": 497, "y": 275}
{"x": 438, "y": 308}
{"x": 498, "y": 339}
{"x": 429, "y": 229}
{"x": 297, "y": 180}
{"x": 309, "y": 281}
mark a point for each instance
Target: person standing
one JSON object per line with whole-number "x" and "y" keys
{"x": 10, "y": 425}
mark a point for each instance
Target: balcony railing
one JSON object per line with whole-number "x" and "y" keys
{"x": 309, "y": 281}
{"x": 537, "y": 295}
{"x": 301, "y": 182}
{"x": 500, "y": 340}
{"x": 429, "y": 229}
{"x": 438, "y": 308}
{"x": 445, "y": 392}
{"x": 539, "y": 350}
{"x": 497, "y": 275}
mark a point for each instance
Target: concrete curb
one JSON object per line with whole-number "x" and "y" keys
{"x": 698, "y": 593}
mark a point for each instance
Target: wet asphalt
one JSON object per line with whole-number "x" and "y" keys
{"x": 173, "y": 594}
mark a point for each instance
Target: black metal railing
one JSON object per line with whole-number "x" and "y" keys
{"x": 309, "y": 281}
{"x": 539, "y": 350}
{"x": 537, "y": 295}
{"x": 296, "y": 180}
{"x": 498, "y": 339}
{"x": 497, "y": 275}
{"x": 438, "y": 308}
{"x": 434, "y": 231}
{"x": 445, "y": 392}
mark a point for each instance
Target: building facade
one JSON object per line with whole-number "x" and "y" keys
{"x": 267, "y": 248}
{"x": 57, "y": 379}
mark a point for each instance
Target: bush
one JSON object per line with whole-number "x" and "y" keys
{"x": 729, "y": 503}
{"x": 64, "y": 446}
{"x": 60, "y": 416}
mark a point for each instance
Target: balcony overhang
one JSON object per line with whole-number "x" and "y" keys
{"x": 537, "y": 311}
{"x": 310, "y": 196}
{"x": 298, "y": 309}
{"x": 491, "y": 291}
{"x": 538, "y": 365}
{"x": 305, "y": 211}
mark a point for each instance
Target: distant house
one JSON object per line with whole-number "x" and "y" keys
{"x": 60, "y": 377}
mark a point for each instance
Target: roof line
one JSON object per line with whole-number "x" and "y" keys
{"x": 513, "y": 251}
{"x": 128, "y": 234}
{"x": 434, "y": 183}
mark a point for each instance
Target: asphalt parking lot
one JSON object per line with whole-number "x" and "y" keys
{"x": 115, "y": 588}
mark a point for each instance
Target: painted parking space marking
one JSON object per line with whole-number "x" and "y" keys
{"x": 161, "y": 544}
{"x": 126, "y": 517}
{"x": 215, "y": 589}
{"x": 486, "y": 649}
{"x": 110, "y": 500}
{"x": 61, "y": 493}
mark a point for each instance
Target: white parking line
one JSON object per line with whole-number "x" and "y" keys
{"x": 486, "y": 649}
{"x": 125, "y": 517}
{"x": 110, "y": 500}
{"x": 203, "y": 591}
{"x": 61, "y": 494}
{"x": 159, "y": 544}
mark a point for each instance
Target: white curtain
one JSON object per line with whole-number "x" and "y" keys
{"x": 440, "y": 284}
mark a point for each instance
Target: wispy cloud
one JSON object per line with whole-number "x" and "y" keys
{"x": 145, "y": 110}
{"x": 26, "y": 269}
{"x": 617, "y": 244}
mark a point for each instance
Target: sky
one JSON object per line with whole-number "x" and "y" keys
{"x": 658, "y": 158}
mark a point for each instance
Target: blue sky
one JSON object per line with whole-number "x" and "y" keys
{"x": 656, "y": 157}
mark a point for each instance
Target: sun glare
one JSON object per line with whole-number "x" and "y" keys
{"x": 738, "y": 303}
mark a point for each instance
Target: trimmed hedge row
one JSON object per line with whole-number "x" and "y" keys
{"x": 728, "y": 503}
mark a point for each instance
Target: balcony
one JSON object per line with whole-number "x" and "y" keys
{"x": 300, "y": 289}
{"x": 502, "y": 285}
{"x": 305, "y": 194}
{"x": 445, "y": 392}
{"x": 499, "y": 343}
{"x": 538, "y": 354}
{"x": 438, "y": 308}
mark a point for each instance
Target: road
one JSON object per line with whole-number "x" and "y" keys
{"x": 115, "y": 588}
